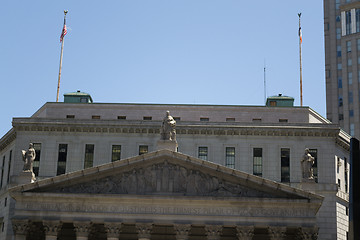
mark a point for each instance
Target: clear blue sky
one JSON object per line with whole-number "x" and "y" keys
{"x": 152, "y": 51}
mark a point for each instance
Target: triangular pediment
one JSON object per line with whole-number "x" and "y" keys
{"x": 165, "y": 173}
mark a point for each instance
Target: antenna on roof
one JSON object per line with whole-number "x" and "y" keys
{"x": 264, "y": 81}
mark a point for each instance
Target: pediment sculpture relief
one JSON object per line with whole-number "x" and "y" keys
{"x": 164, "y": 179}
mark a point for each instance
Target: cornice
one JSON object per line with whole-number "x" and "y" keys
{"x": 185, "y": 128}
{"x": 8, "y": 138}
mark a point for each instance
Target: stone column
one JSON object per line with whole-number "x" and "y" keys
{"x": 51, "y": 229}
{"x": 112, "y": 230}
{"x": 245, "y": 232}
{"x": 82, "y": 230}
{"x": 182, "y": 231}
{"x": 20, "y": 228}
{"x": 144, "y": 230}
{"x": 277, "y": 233}
{"x": 213, "y": 232}
{"x": 307, "y": 233}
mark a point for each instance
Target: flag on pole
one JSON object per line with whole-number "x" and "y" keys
{"x": 63, "y": 33}
{"x": 300, "y": 34}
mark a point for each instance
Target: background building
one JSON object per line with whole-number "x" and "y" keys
{"x": 264, "y": 144}
{"x": 342, "y": 61}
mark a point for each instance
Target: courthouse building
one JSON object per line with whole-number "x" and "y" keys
{"x": 234, "y": 172}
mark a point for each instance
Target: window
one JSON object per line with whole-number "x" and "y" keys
{"x": 357, "y": 17}
{"x": 62, "y": 155}
{"x": 121, "y": 117}
{"x": 9, "y": 167}
{"x": 89, "y": 155}
{"x": 339, "y": 66}
{"x": 230, "y": 157}
{"x": 341, "y": 116}
{"x": 177, "y": 118}
{"x": 314, "y": 154}
{"x": 95, "y": 117}
{"x": 351, "y": 113}
{"x": 340, "y": 100}
{"x": 348, "y": 46}
{"x": 337, "y": 4}
{"x": 339, "y": 82}
{"x": 348, "y": 22}
{"x": 204, "y": 119}
{"x": 338, "y": 33}
{"x": 203, "y": 153}
{"x": 256, "y": 120}
{"x": 143, "y": 149}
{"x": 350, "y": 78}
{"x": 147, "y": 118}
{"x": 257, "y": 161}
{"x": 36, "y": 163}
{"x": 338, "y": 49}
{"x": 70, "y": 116}
{"x": 352, "y": 129}
{"x": 349, "y": 62}
{"x": 283, "y": 120}
{"x": 84, "y": 100}
{"x": 2, "y": 172}
{"x": 115, "y": 153}
{"x": 346, "y": 175}
{"x": 230, "y": 119}
{"x": 339, "y": 183}
{"x": 285, "y": 165}
{"x": 338, "y": 18}
{"x": 273, "y": 103}
{"x": 351, "y": 97}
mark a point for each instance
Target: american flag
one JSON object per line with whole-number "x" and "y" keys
{"x": 63, "y": 33}
{"x": 300, "y": 34}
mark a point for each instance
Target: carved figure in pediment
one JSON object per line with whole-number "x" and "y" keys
{"x": 164, "y": 178}
{"x": 168, "y": 131}
{"x": 28, "y": 158}
{"x": 307, "y": 163}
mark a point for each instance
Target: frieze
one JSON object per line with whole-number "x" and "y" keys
{"x": 166, "y": 210}
{"x": 163, "y": 179}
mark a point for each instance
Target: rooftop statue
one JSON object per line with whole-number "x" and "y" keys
{"x": 28, "y": 158}
{"x": 168, "y": 131}
{"x": 307, "y": 163}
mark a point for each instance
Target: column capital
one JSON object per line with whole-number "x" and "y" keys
{"x": 307, "y": 233}
{"x": 213, "y": 232}
{"x": 277, "y": 233}
{"x": 52, "y": 227}
{"x": 20, "y": 226}
{"x": 144, "y": 230}
{"x": 245, "y": 232}
{"x": 182, "y": 231}
{"x": 112, "y": 230}
{"x": 82, "y": 229}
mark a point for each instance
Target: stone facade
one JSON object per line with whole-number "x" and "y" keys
{"x": 223, "y": 137}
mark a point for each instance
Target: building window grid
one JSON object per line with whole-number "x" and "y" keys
{"x": 143, "y": 149}
{"x": 350, "y": 78}
{"x": 203, "y": 153}
{"x": 115, "y": 153}
{"x": 285, "y": 164}
{"x": 36, "y": 163}
{"x": 348, "y": 22}
{"x": 2, "y": 171}
{"x": 357, "y": 17}
{"x": 257, "y": 161}
{"x": 89, "y": 155}
{"x": 9, "y": 167}
{"x": 230, "y": 157}
{"x": 62, "y": 156}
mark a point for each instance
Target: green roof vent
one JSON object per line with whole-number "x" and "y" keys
{"x": 77, "y": 97}
{"x": 280, "y": 101}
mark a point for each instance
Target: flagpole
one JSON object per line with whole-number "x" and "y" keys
{"x": 300, "y": 42}
{"x": 61, "y": 56}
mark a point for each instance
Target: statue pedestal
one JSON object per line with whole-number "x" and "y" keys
{"x": 25, "y": 177}
{"x": 167, "y": 144}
